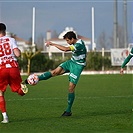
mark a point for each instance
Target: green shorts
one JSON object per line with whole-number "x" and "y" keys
{"x": 73, "y": 69}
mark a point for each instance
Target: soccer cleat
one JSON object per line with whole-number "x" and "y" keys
{"x": 67, "y": 114}
{"x": 5, "y": 120}
{"x": 24, "y": 88}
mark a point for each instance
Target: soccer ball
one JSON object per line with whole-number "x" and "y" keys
{"x": 33, "y": 79}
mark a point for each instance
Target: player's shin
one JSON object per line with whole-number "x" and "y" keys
{"x": 2, "y": 104}
{"x": 3, "y": 109}
{"x": 45, "y": 76}
{"x": 71, "y": 97}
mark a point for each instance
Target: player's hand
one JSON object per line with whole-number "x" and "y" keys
{"x": 48, "y": 43}
{"x": 121, "y": 71}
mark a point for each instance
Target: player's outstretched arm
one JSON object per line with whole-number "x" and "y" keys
{"x": 124, "y": 63}
{"x": 60, "y": 47}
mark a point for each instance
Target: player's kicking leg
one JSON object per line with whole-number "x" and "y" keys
{"x": 46, "y": 75}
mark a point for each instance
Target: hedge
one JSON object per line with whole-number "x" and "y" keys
{"x": 41, "y": 62}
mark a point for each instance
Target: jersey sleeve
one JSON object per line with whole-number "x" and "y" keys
{"x": 131, "y": 53}
{"x": 14, "y": 43}
{"x": 76, "y": 47}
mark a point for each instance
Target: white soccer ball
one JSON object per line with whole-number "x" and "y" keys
{"x": 33, "y": 79}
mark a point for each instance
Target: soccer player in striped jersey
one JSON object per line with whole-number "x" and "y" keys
{"x": 126, "y": 61}
{"x": 9, "y": 69}
{"x": 74, "y": 66}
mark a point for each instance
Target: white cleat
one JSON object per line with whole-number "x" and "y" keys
{"x": 24, "y": 88}
{"x": 5, "y": 121}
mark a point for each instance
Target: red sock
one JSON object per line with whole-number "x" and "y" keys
{"x": 20, "y": 92}
{"x": 2, "y": 104}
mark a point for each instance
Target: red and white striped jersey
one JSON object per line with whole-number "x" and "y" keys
{"x": 7, "y": 57}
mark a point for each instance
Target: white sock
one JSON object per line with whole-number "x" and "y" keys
{"x": 4, "y": 115}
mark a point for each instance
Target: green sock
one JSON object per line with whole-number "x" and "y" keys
{"x": 71, "y": 97}
{"x": 45, "y": 76}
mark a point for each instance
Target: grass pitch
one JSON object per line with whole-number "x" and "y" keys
{"x": 102, "y": 104}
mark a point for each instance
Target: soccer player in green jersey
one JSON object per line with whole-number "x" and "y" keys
{"x": 126, "y": 61}
{"x": 74, "y": 66}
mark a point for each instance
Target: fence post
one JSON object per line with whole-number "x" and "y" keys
{"x": 102, "y": 59}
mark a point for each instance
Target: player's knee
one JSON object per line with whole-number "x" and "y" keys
{"x": 54, "y": 73}
{"x": 71, "y": 88}
{"x": 1, "y": 93}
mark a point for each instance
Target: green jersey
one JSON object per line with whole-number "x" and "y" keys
{"x": 79, "y": 52}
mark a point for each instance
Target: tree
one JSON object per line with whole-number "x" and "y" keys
{"x": 103, "y": 41}
{"x": 29, "y": 55}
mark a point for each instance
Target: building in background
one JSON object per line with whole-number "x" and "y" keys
{"x": 23, "y": 45}
{"x": 61, "y": 41}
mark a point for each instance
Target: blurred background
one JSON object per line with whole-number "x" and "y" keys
{"x": 105, "y": 26}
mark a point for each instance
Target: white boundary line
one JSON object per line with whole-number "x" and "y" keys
{"x": 34, "y": 99}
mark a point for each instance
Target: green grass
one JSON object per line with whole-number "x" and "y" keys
{"x": 103, "y": 104}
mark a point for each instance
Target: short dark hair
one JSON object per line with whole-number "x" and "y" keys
{"x": 70, "y": 35}
{"x": 2, "y": 27}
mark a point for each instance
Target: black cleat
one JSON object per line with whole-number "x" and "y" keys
{"x": 66, "y": 114}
